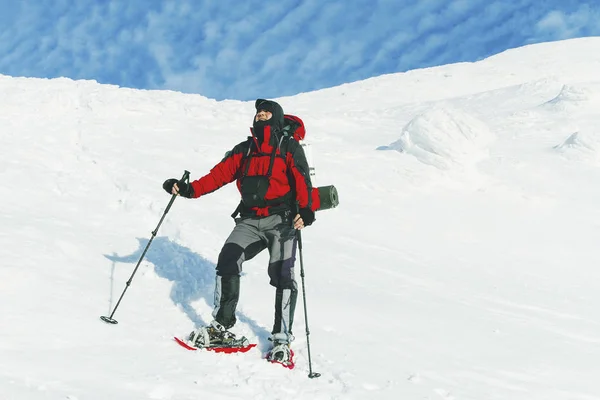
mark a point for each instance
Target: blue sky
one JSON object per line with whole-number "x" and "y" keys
{"x": 243, "y": 49}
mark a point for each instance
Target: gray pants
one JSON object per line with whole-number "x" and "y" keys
{"x": 249, "y": 237}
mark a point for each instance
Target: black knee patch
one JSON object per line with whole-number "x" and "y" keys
{"x": 228, "y": 259}
{"x": 230, "y": 256}
{"x": 282, "y": 274}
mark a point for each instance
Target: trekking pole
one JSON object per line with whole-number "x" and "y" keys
{"x": 110, "y": 319}
{"x": 311, "y": 374}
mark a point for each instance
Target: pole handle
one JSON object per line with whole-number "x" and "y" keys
{"x": 185, "y": 177}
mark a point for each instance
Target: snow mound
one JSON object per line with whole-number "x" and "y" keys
{"x": 445, "y": 137}
{"x": 583, "y": 144}
{"x": 575, "y": 96}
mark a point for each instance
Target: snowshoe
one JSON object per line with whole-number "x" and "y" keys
{"x": 281, "y": 353}
{"x": 215, "y": 337}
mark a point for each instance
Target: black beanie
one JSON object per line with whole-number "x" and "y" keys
{"x": 262, "y": 104}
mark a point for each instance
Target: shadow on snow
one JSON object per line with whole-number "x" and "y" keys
{"x": 193, "y": 278}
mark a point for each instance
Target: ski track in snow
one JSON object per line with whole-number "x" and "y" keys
{"x": 460, "y": 264}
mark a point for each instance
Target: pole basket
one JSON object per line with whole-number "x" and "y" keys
{"x": 109, "y": 320}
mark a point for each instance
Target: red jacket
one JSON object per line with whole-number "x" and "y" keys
{"x": 290, "y": 173}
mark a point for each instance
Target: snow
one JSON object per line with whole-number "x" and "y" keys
{"x": 462, "y": 261}
{"x": 441, "y": 137}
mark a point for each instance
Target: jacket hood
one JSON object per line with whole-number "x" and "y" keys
{"x": 276, "y": 121}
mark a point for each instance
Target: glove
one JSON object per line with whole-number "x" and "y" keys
{"x": 168, "y": 185}
{"x": 307, "y": 215}
{"x": 185, "y": 189}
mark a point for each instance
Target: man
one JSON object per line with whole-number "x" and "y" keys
{"x": 272, "y": 176}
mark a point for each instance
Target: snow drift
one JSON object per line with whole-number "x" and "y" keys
{"x": 573, "y": 97}
{"x": 581, "y": 145}
{"x": 444, "y": 137}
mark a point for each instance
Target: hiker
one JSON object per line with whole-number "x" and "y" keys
{"x": 272, "y": 176}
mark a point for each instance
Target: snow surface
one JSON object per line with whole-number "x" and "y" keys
{"x": 462, "y": 262}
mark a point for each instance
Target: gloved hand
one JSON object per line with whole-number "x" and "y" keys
{"x": 168, "y": 185}
{"x": 307, "y": 215}
{"x": 185, "y": 189}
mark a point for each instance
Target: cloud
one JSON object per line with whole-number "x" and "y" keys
{"x": 242, "y": 50}
{"x": 559, "y": 24}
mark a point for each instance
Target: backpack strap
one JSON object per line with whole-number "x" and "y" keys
{"x": 249, "y": 157}
{"x": 279, "y": 200}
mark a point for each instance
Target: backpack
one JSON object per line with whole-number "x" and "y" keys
{"x": 293, "y": 127}
{"x": 325, "y": 197}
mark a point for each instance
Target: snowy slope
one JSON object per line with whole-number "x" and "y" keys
{"x": 462, "y": 262}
